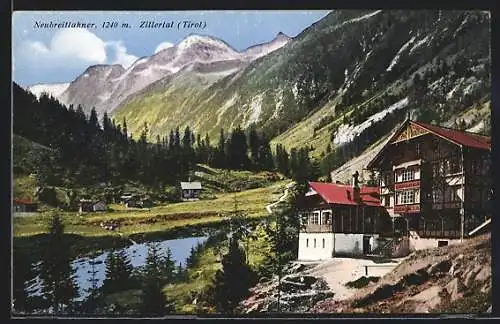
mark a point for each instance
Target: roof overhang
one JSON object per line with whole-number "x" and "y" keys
{"x": 407, "y": 164}
{"x": 311, "y": 192}
{"x": 370, "y": 165}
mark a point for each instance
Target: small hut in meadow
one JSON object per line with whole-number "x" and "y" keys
{"x": 88, "y": 205}
{"x": 190, "y": 190}
{"x": 23, "y": 207}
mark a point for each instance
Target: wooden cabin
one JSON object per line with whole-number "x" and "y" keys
{"x": 24, "y": 207}
{"x": 341, "y": 219}
{"x": 190, "y": 190}
{"x": 147, "y": 203}
{"x": 126, "y": 197}
{"x": 87, "y": 205}
{"x": 435, "y": 181}
{"x": 133, "y": 202}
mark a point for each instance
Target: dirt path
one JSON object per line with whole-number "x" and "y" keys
{"x": 339, "y": 271}
{"x": 281, "y": 199}
{"x": 455, "y": 278}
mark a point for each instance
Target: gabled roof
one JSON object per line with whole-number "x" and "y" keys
{"x": 23, "y": 202}
{"x": 91, "y": 202}
{"x": 459, "y": 137}
{"x": 191, "y": 185}
{"x": 334, "y": 193}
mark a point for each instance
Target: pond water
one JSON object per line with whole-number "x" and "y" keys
{"x": 137, "y": 254}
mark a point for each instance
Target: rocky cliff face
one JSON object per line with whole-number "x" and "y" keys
{"x": 297, "y": 292}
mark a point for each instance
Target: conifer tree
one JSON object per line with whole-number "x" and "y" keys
{"x": 23, "y": 277}
{"x": 238, "y": 150}
{"x": 119, "y": 272}
{"x": 220, "y": 156}
{"x": 125, "y": 129}
{"x": 168, "y": 266}
{"x": 265, "y": 160}
{"x": 58, "y": 276}
{"x": 93, "y": 290}
{"x": 231, "y": 283}
{"x": 254, "y": 145}
{"x": 192, "y": 258}
{"x": 93, "y": 120}
{"x": 154, "y": 302}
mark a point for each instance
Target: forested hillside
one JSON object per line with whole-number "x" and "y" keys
{"x": 60, "y": 146}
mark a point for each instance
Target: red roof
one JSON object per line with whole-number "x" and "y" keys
{"x": 334, "y": 193}
{"x": 23, "y": 202}
{"x": 459, "y": 137}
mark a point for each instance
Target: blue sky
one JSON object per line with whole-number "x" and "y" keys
{"x": 43, "y": 55}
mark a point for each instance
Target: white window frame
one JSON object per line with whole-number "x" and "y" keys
{"x": 408, "y": 175}
{"x": 407, "y": 197}
{"x": 315, "y": 218}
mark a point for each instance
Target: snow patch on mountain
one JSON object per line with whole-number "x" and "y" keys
{"x": 472, "y": 84}
{"x": 105, "y": 96}
{"x": 279, "y": 103}
{"x": 450, "y": 94}
{"x": 436, "y": 84}
{"x": 260, "y": 50}
{"x": 255, "y": 109}
{"x": 228, "y": 104}
{"x": 420, "y": 43}
{"x": 295, "y": 90}
{"x": 395, "y": 60}
{"x": 140, "y": 61}
{"x": 54, "y": 89}
{"x": 346, "y": 133}
{"x": 461, "y": 26}
{"x": 109, "y": 93}
{"x": 353, "y": 20}
{"x": 199, "y": 39}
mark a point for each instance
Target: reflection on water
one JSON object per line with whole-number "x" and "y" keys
{"x": 137, "y": 254}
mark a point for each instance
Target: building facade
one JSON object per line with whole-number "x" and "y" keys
{"x": 434, "y": 181}
{"x": 190, "y": 190}
{"x": 87, "y": 205}
{"x": 341, "y": 220}
{"x": 24, "y": 207}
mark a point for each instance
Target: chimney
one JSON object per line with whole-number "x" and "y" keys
{"x": 355, "y": 186}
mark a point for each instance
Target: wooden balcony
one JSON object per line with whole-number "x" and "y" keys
{"x": 317, "y": 228}
{"x": 407, "y": 185}
{"x": 413, "y": 208}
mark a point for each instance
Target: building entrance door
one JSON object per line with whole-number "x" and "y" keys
{"x": 413, "y": 222}
{"x": 366, "y": 245}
